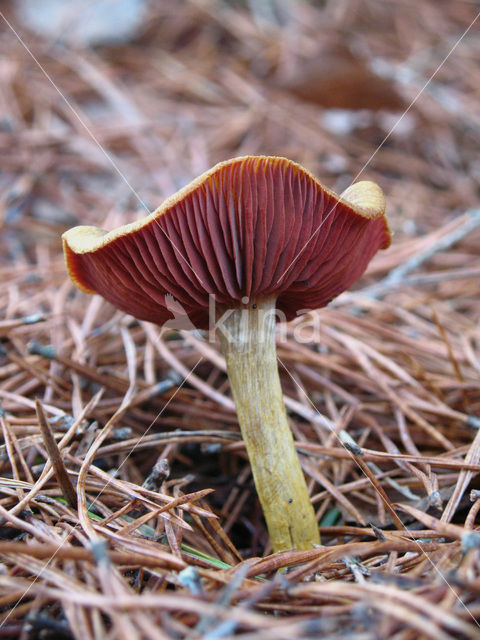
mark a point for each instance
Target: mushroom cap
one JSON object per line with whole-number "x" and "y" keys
{"x": 249, "y": 228}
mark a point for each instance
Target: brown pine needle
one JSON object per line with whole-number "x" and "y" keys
{"x": 55, "y": 457}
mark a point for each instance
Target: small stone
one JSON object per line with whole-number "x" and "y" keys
{"x": 83, "y": 23}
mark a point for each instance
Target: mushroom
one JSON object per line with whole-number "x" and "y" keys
{"x": 253, "y": 238}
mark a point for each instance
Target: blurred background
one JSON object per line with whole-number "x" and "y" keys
{"x": 108, "y": 107}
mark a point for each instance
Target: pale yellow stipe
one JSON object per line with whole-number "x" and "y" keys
{"x": 248, "y": 344}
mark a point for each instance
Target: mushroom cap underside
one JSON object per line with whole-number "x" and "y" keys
{"x": 250, "y": 227}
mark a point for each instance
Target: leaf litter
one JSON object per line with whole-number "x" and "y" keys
{"x": 126, "y": 502}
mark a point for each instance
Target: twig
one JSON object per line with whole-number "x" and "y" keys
{"x": 397, "y": 277}
{"x": 55, "y": 456}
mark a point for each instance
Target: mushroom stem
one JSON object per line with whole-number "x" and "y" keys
{"x": 247, "y": 337}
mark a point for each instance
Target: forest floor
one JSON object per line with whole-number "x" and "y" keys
{"x": 163, "y": 536}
